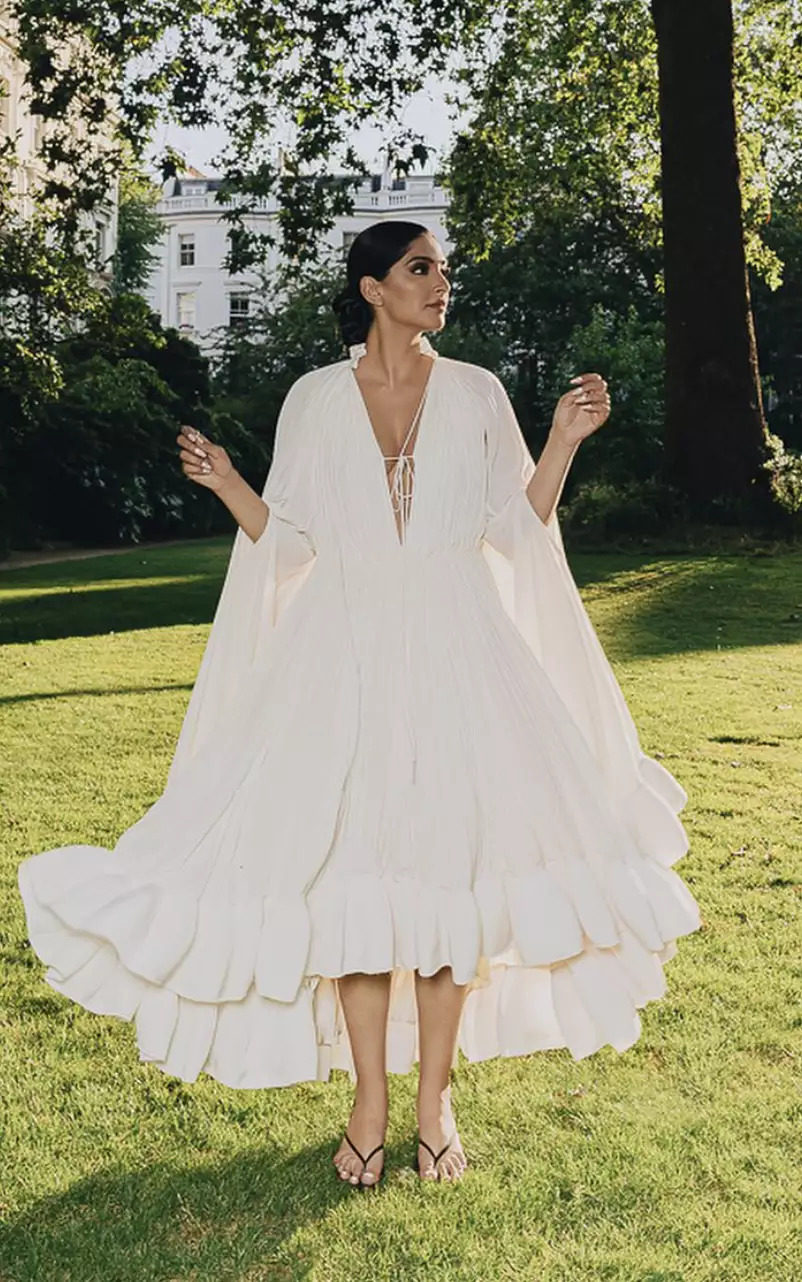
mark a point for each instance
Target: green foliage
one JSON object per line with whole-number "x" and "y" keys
{"x": 289, "y": 332}
{"x": 97, "y": 461}
{"x": 102, "y": 77}
{"x": 563, "y": 129}
{"x": 768, "y": 91}
{"x": 548, "y": 306}
{"x": 139, "y": 231}
{"x": 572, "y": 82}
{"x": 555, "y": 210}
{"x": 785, "y": 469}
{"x": 778, "y": 317}
{"x": 45, "y": 292}
{"x": 628, "y": 351}
{"x": 564, "y": 118}
{"x": 601, "y": 512}
{"x": 93, "y": 391}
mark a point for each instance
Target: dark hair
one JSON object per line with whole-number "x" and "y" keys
{"x": 372, "y": 253}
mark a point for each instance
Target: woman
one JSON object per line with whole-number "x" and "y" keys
{"x": 408, "y": 810}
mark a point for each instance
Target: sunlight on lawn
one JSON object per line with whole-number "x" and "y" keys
{"x": 675, "y": 1162}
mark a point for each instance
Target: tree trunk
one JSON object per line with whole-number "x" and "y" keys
{"x": 715, "y": 430}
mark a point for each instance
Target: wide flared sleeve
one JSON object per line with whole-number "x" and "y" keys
{"x": 538, "y": 591}
{"x": 261, "y": 578}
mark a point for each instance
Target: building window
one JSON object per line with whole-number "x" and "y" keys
{"x": 186, "y": 250}
{"x": 185, "y": 304}
{"x": 238, "y": 309}
{"x": 101, "y": 238}
{"x": 348, "y": 239}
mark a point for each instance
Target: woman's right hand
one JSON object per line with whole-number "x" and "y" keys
{"x": 204, "y": 463}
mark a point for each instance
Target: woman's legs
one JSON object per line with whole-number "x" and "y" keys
{"x": 440, "y": 1003}
{"x": 365, "y": 1001}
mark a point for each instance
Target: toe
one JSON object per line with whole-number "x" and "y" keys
{"x": 346, "y": 1168}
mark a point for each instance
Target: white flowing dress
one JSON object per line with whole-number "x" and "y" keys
{"x": 405, "y": 750}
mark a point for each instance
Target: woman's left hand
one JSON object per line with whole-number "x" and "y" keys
{"x": 581, "y": 412}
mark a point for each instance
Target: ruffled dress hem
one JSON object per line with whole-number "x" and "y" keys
{"x": 246, "y": 992}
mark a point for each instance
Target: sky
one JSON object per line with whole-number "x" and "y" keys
{"x": 426, "y": 113}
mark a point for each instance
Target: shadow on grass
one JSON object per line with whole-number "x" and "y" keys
{"x": 135, "y": 590}
{"x": 683, "y": 604}
{"x": 164, "y": 587}
{"x": 105, "y": 610}
{"x": 188, "y": 557}
{"x": 41, "y": 696}
{"x": 209, "y": 1221}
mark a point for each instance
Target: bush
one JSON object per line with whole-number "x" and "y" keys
{"x": 600, "y": 511}
{"x": 96, "y": 462}
{"x": 628, "y": 351}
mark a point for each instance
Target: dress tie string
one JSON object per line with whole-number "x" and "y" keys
{"x": 403, "y": 473}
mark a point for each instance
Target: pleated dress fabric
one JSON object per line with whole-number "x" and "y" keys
{"x": 405, "y": 750}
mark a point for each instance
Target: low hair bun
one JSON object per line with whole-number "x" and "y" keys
{"x": 372, "y": 253}
{"x": 354, "y": 315}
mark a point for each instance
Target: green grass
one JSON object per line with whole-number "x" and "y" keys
{"x": 675, "y": 1162}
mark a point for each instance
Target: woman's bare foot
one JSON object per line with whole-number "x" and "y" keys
{"x": 436, "y": 1126}
{"x": 366, "y": 1127}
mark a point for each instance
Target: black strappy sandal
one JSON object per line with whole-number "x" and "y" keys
{"x": 364, "y": 1160}
{"x": 436, "y": 1156}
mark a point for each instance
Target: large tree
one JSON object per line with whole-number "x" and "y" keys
{"x": 715, "y": 430}
{"x": 589, "y": 115}
{"x": 139, "y": 231}
{"x": 575, "y": 79}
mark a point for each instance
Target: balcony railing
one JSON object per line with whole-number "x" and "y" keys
{"x": 436, "y": 197}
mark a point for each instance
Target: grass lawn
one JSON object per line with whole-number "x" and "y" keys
{"x": 677, "y": 1161}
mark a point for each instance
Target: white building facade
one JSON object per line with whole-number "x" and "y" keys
{"x": 190, "y": 287}
{"x": 25, "y": 131}
{"x": 17, "y": 122}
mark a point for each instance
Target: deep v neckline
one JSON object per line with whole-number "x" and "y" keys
{"x": 420, "y": 415}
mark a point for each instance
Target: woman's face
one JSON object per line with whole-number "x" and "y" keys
{"x": 415, "y": 291}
